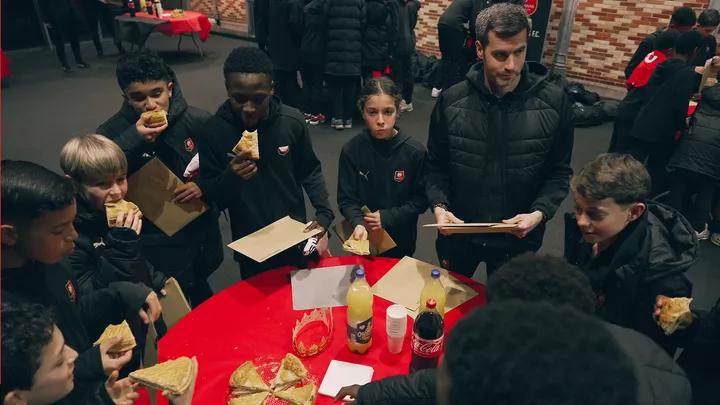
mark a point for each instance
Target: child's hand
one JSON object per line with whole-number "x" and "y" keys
{"x": 685, "y": 322}
{"x": 121, "y": 392}
{"x": 148, "y": 134}
{"x": 155, "y": 309}
{"x": 351, "y": 391}
{"x": 700, "y": 69}
{"x": 360, "y": 233}
{"x": 113, "y": 361}
{"x": 186, "y": 398}
{"x": 373, "y": 221}
{"x": 243, "y": 165}
{"x": 187, "y": 192}
{"x": 129, "y": 219}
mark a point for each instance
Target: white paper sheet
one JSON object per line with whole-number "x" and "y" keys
{"x": 341, "y": 374}
{"x": 321, "y": 288}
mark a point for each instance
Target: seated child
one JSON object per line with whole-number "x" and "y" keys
{"x": 383, "y": 168}
{"x": 38, "y": 209}
{"x": 630, "y": 248}
{"x": 149, "y": 84}
{"x": 258, "y": 193}
{"x": 695, "y": 164}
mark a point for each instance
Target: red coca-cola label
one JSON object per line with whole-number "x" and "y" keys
{"x": 427, "y": 348}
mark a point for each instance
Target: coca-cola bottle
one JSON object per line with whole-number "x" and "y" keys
{"x": 428, "y": 338}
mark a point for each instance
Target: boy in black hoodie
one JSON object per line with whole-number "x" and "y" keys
{"x": 665, "y": 108}
{"x": 631, "y": 249}
{"x": 383, "y": 168}
{"x": 258, "y": 193}
{"x": 148, "y": 83}
{"x": 38, "y": 209}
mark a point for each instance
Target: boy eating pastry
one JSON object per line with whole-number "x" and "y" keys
{"x": 258, "y": 193}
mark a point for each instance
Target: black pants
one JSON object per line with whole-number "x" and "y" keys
{"x": 286, "y": 86}
{"x": 457, "y": 253}
{"x": 101, "y": 13}
{"x": 292, "y": 256}
{"x": 657, "y": 156}
{"x": 684, "y": 185}
{"x": 621, "y": 141}
{"x": 312, "y": 80}
{"x": 453, "y": 59}
{"x": 343, "y": 90}
{"x": 65, "y": 28}
{"x": 402, "y": 76}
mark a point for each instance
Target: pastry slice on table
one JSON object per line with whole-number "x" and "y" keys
{"x": 252, "y": 399}
{"x": 246, "y": 380}
{"x": 357, "y": 247}
{"x": 113, "y": 331}
{"x": 249, "y": 142}
{"x": 299, "y": 396}
{"x": 174, "y": 376}
{"x": 674, "y": 312}
{"x": 290, "y": 373}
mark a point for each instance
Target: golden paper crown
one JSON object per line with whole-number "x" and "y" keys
{"x": 323, "y": 315}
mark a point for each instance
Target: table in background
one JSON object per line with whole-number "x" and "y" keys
{"x": 136, "y": 30}
{"x": 254, "y": 319}
{"x": 4, "y": 65}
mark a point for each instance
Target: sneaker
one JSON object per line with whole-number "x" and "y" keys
{"x": 317, "y": 119}
{"x": 337, "y": 123}
{"x": 308, "y": 117}
{"x": 436, "y": 92}
{"x": 405, "y": 107}
{"x": 704, "y": 235}
{"x": 67, "y": 69}
{"x": 347, "y": 124}
{"x": 715, "y": 239}
{"x": 83, "y": 65}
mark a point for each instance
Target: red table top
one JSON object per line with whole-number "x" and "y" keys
{"x": 253, "y": 321}
{"x": 4, "y": 65}
{"x": 192, "y": 22}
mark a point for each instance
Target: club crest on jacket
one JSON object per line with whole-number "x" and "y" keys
{"x": 399, "y": 176}
{"x": 283, "y": 150}
{"x": 70, "y": 288}
{"x": 189, "y": 145}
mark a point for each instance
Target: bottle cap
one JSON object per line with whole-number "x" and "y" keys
{"x": 360, "y": 273}
{"x": 435, "y": 273}
{"x": 430, "y": 304}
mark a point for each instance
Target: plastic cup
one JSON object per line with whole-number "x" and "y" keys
{"x": 396, "y": 327}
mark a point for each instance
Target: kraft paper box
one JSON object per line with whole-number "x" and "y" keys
{"x": 273, "y": 239}
{"x": 479, "y": 227}
{"x": 151, "y": 188}
{"x": 174, "y": 304}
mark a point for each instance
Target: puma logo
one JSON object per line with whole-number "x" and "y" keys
{"x": 365, "y": 175}
{"x": 98, "y": 244}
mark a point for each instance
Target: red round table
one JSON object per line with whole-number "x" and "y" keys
{"x": 253, "y": 321}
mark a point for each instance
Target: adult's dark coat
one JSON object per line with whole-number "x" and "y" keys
{"x": 310, "y": 22}
{"x": 380, "y": 33}
{"x": 283, "y": 41}
{"x": 492, "y": 158}
{"x": 199, "y": 244}
{"x": 386, "y": 176}
{"x": 649, "y": 258}
{"x": 698, "y": 151}
{"x": 660, "y": 380}
{"x": 346, "y": 27}
{"x": 407, "y": 20}
{"x": 666, "y": 96}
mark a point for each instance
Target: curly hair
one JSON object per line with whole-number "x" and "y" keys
{"x": 248, "y": 60}
{"x": 519, "y": 353}
{"x": 142, "y": 67}
{"x": 26, "y": 330}
{"x": 378, "y": 86}
{"x": 535, "y": 278}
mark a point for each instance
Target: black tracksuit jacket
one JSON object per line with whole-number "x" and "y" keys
{"x": 385, "y": 175}
{"x": 287, "y": 165}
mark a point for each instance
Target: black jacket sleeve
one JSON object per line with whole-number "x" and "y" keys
{"x": 645, "y": 47}
{"x": 261, "y": 16}
{"x": 438, "y": 158}
{"x": 309, "y": 172}
{"x": 349, "y": 204}
{"x": 687, "y": 86}
{"x": 96, "y": 308}
{"x": 88, "y": 367}
{"x": 417, "y": 388}
{"x": 132, "y": 144}
{"x": 393, "y": 29}
{"x": 405, "y": 214}
{"x": 557, "y": 170}
{"x": 215, "y": 173}
{"x": 296, "y": 18}
{"x": 701, "y": 356}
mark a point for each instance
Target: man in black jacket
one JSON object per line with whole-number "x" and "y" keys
{"x": 60, "y": 20}
{"x": 37, "y": 234}
{"x": 453, "y": 27}
{"x": 683, "y": 19}
{"x": 665, "y": 108}
{"x": 707, "y": 24}
{"x": 403, "y": 50}
{"x": 535, "y": 279}
{"x": 499, "y": 148}
{"x": 148, "y": 83}
{"x": 258, "y": 193}
{"x": 380, "y": 36}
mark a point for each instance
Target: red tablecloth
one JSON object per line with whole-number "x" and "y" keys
{"x": 4, "y": 65}
{"x": 253, "y": 320}
{"x": 192, "y": 22}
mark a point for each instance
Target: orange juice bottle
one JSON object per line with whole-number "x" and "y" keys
{"x": 433, "y": 289}
{"x": 359, "y": 314}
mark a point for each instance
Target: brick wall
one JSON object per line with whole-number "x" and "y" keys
{"x": 605, "y": 34}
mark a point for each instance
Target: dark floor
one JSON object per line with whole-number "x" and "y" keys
{"x": 43, "y": 107}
